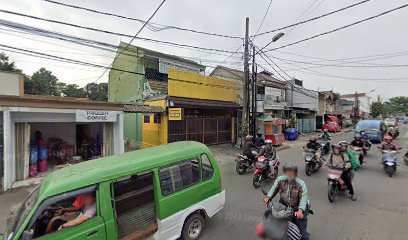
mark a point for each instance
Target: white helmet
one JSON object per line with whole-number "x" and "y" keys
{"x": 268, "y": 141}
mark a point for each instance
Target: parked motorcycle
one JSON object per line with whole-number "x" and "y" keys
{"x": 335, "y": 184}
{"x": 243, "y": 163}
{"x": 325, "y": 147}
{"x": 311, "y": 163}
{"x": 277, "y": 223}
{"x": 358, "y": 151}
{"x": 265, "y": 169}
{"x": 389, "y": 160}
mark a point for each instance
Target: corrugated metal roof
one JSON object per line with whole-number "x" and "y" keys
{"x": 202, "y": 103}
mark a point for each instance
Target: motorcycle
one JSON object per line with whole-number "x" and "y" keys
{"x": 312, "y": 164}
{"x": 389, "y": 160}
{"x": 277, "y": 224}
{"x": 265, "y": 169}
{"x": 243, "y": 163}
{"x": 406, "y": 158}
{"x": 325, "y": 146}
{"x": 358, "y": 151}
{"x": 335, "y": 184}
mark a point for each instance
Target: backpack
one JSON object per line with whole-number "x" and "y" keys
{"x": 355, "y": 163}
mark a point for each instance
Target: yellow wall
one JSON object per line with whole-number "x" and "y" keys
{"x": 154, "y": 134}
{"x": 192, "y": 85}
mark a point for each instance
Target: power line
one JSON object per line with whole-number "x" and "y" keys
{"x": 150, "y": 25}
{"x": 263, "y": 19}
{"x": 318, "y": 5}
{"x": 301, "y": 15}
{"x": 113, "y": 33}
{"x": 83, "y": 63}
{"x": 315, "y": 18}
{"x": 134, "y": 37}
{"x": 338, "y": 29}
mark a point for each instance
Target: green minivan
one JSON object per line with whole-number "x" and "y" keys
{"x": 163, "y": 192}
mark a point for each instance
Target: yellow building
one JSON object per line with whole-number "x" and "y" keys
{"x": 196, "y": 107}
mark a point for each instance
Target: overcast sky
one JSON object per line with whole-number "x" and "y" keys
{"x": 385, "y": 35}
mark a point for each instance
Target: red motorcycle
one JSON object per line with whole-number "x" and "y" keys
{"x": 265, "y": 169}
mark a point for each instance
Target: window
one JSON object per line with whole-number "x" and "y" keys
{"x": 179, "y": 176}
{"x": 207, "y": 168}
{"x": 79, "y": 205}
{"x": 157, "y": 118}
{"x": 134, "y": 206}
{"x": 146, "y": 118}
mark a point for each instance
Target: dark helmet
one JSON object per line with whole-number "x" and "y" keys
{"x": 336, "y": 146}
{"x": 343, "y": 144}
{"x": 357, "y": 136}
{"x": 259, "y": 134}
{"x": 290, "y": 166}
{"x": 313, "y": 138}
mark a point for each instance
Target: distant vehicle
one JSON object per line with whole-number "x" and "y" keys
{"x": 375, "y": 129}
{"x": 163, "y": 192}
{"x": 390, "y": 122}
{"x": 405, "y": 121}
{"x": 332, "y": 127}
{"x": 347, "y": 123}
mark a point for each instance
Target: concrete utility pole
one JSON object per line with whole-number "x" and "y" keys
{"x": 246, "y": 79}
{"x": 254, "y": 93}
{"x": 356, "y": 108}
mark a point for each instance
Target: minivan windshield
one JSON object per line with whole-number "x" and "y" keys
{"x": 21, "y": 215}
{"x": 367, "y": 127}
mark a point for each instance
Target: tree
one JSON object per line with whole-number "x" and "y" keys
{"x": 6, "y": 65}
{"x": 45, "y": 83}
{"x": 377, "y": 109}
{"x": 397, "y": 106}
{"x": 98, "y": 92}
{"x": 73, "y": 90}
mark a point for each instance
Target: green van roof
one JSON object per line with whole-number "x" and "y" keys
{"x": 103, "y": 169}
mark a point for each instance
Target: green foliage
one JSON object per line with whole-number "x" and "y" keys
{"x": 43, "y": 82}
{"x": 6, "y": 65}
{"x": 377, "y": 109}
{"x": 72, "y": 90}
{"x": 397, "y": 106}
{"x": 98, "y": 92}
{"x": 292, "y": 122}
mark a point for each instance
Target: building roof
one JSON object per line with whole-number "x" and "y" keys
{"x": 353, "y": 95}
{"x": 160, "y": 54}
{"x": 268, "y": 80}
{"x": 202, "y": 103}
{"x": 238, "y": 74}
{"x": 99, "y": 170}
{"x": 345, "y": 102}
{"x": 55, "y": 102}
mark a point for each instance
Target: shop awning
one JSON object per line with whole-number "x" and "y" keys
{"x": 201, "y": 103}
{"x": 141, "y": 108}
{"x": 331, "y": 118}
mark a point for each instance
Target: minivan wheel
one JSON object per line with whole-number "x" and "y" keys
{"x": 193, "y": 227}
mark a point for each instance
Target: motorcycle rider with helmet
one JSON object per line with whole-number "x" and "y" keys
{"x": 357, "y": 142}
{"x": 268, "y": 151}
{"x": 315, "y": 146}
{"x": 293, "y": 194}
{"x": 325, "y": 136}
{"x": 338, "y": 159}
{"x": 388, "y": 144}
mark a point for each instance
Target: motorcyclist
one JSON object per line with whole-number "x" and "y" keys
{"x": 357, "y": 142}
{"x": 339, "y": 160}
{"x": 388, "y": 144}
{"x": 293, "y": 194}
{"x": 365, "y": 138}
{"x": 315, "y": 146}
{"x": 248, "y": 146}
{"x": 355, "y": 164}
{"x": 325, "y": 136}
{"x": 259, "y": 141}
{"x": 268, "y": 151}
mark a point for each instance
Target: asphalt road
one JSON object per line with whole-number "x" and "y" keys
{"x": 381, "y": 211}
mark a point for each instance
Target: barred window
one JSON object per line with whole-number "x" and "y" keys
{"x": 177, "y": 177}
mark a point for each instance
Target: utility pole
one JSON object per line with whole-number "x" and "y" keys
{"x": 254, "y": 93}
{"x": 246, "y": 79}
{"x": 356, "y": 108}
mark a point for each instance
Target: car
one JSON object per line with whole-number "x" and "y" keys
{"x": 405, "y": 121}
{"x": 162, "y": 192}
{"x": 332, "y": 127}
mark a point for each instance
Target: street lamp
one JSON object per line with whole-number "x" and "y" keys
{"x": 277, "y": 36}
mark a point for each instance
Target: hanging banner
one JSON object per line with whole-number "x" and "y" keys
{"x": 175, "y": 114}
{"x": 95, "y": 116}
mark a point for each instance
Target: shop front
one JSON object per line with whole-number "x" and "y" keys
{"x": 42, "y": 134}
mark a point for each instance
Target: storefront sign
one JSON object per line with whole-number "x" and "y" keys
{"x": 95, "y": 116}
{"x": 175, "y": 114}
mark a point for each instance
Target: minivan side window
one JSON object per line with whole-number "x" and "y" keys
{"x": 179, "y": 176}
{"x": 134, "y": 206}
{"x": 206, "y": 167}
